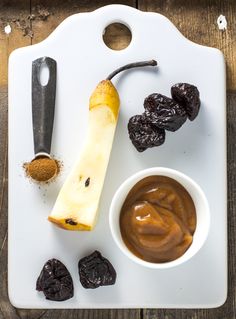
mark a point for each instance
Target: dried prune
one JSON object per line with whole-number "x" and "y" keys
{"x": 96, "y": 271}
{"x": 143, "y": 134}
{"x": 164, "y": 112}
{"x": 55, "y": 281}
{"x": 188, "y": 96}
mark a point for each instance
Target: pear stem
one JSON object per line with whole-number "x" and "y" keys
{"x": 131, "y": 66}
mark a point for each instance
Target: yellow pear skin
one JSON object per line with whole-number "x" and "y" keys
{"x": 76, "y": 206}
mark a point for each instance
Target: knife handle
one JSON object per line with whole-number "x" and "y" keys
{"x": 43, "y": 104}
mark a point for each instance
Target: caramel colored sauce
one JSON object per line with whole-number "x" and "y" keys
{"x": 158, "y": 219}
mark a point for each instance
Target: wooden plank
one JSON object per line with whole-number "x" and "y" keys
{"x": 89, "y": 314}
{"x": 57, "y": 11}
{"x": 197, "y": 20}
{"x": 14, "y": 13}
{"x": 6, "y": 310}
{"x": 228, "y": 310}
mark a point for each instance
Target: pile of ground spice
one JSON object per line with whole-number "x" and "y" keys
{"x": 42, "y": 169}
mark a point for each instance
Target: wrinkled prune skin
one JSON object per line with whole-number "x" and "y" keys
{"x": 187, "y": 95}
{"x": 143, "y": 134}
{"x": 164, "y": 112}
{"x": 96, "y": 271}
{"x": 55, "y": 281}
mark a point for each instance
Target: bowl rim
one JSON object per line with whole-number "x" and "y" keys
{"x": 130, "y": 182}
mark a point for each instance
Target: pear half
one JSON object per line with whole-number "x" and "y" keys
{"x": 77, "y": 203}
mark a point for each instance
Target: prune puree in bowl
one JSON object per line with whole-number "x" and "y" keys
{"x": 158, "y": 219}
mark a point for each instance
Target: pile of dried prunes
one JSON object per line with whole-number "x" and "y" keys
{"x": 56, "y": 282}
{"x": 163, "y": 113}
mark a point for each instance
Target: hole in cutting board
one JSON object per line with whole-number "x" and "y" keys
{"x": 43, "y": 74}
{"x": 117, "y": 36}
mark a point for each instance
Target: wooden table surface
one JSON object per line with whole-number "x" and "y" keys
{"x": 31, "y": 21}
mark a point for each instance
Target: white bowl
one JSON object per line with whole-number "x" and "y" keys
{"x": 200, "y": 202}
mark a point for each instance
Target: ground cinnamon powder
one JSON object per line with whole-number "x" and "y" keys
{"x": 42, "y": 169}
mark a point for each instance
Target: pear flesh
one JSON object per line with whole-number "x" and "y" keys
{"x": 76, "y": 206}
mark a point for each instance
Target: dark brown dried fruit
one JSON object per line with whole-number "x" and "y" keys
{"x": 96, "y": 271}
{"x": 55, "y": 281}
{"x": 188, "y": 96}
{"x": 143, "y": 134}
{"x": 164, "y": 112}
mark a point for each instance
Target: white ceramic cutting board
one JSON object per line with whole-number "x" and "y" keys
{"x": 198, "y": 149}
